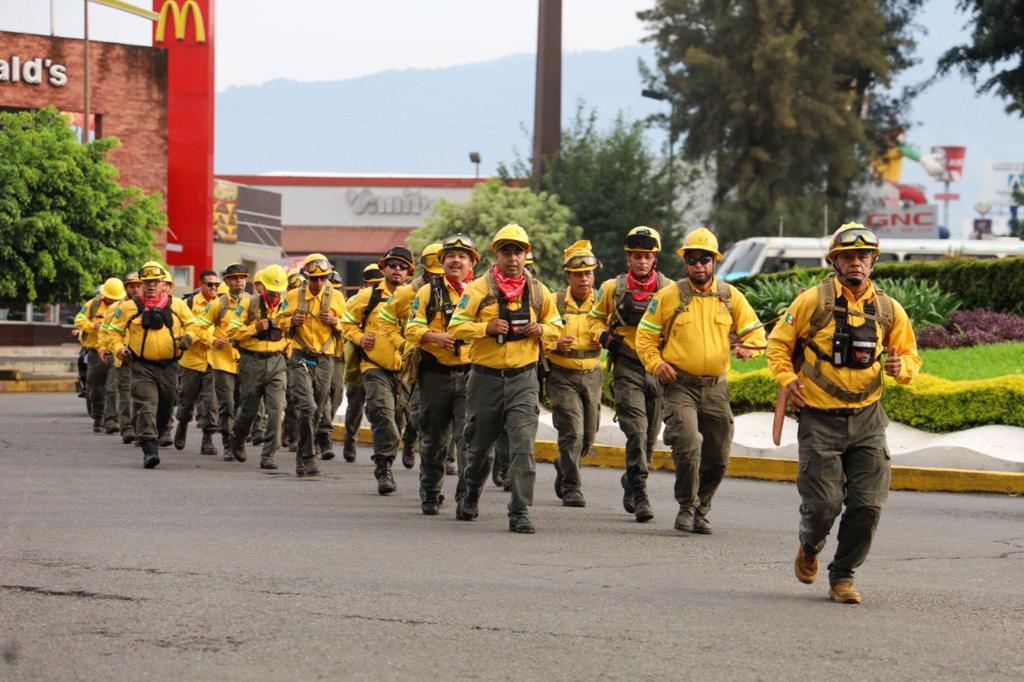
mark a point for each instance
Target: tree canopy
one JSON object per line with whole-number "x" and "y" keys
{"x": 493, "y": 205}
{"x": 65, "y": 222}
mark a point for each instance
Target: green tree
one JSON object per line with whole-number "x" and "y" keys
{"x": 65, "y": 222}
{"x": 997, "y": 47}
{"x": 493, "y": 205}
{"x": 612, "y": 182}
{"x": 786, "y": 100}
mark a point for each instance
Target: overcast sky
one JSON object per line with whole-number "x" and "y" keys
{"x": 258, "y": 40}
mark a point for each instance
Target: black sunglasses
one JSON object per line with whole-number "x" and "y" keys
{"x": 211, "y": 284}
{"x": 396, "y": 265}
{"x": 703, "y": 260}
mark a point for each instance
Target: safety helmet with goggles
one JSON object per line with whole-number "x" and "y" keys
{"x": 458, "y": 242}
{"x": 853, "y": 237}
{"x": 152, "y": 271}
{"x": 580, "y": 257}
{"x": 317, "y": 265}
{"x": 643, "y": 238}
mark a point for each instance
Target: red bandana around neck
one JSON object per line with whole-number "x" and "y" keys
{"x": 511, "y": 288}
{"x": 270, "y": 307}
{"x": 647, "y": 287}
{"x": 158, "y": 301}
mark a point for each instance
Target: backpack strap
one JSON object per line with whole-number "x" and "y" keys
{"x": 376, "y": 297}
{"x": 825, "y": 308}
{"x": 560, "y": 303}
{"x": 94, "y": 306}
{"x": 439, "y": 300}
{"x": 223, "y": 309}
{"x": 722, "y": 292}
{"x": 886, "y": 315}
{"x": 536, "y": 296}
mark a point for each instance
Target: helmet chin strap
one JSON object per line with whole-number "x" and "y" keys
{"x": 843, "y": 279}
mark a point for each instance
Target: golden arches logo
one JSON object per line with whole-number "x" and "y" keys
{"x": 179, "y": 14}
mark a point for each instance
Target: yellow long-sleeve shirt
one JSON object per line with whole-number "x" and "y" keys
{"x": 198, "y": 357}
{"x": 698, "y": 342}
{"x": 603, "y": 316}
{"x": 470, "y": 321}
{"x": 796, "y": 324}
{"x": 385, "y": 354}
{"x": 86, "y": 324}
{"x": 216, "y": 316}
{"x": 126, "y": 330}
{"x": 313, "y": 336}
{"x": 419, "y": 325}
{"x": 576, "y": 322}
{"x": 242, "y": 331}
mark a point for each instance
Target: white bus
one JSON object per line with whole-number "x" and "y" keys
{"x": 774, "y": 254}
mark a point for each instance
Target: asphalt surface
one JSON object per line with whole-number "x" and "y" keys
{"x": 204, "y": 569}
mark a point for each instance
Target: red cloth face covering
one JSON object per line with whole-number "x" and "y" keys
{"x": 457, "y": 285}
{"x": 158, "y": 301}
{"x": 647, "y": 286}
{"x": 511, "y": 288}
{"x": 270, "y": 306}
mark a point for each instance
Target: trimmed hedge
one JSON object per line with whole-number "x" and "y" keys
{"x": 930, "y": 403}
{"x": 995, "y": 283}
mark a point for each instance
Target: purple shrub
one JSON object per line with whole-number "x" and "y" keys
{"x": 972, "y": 328}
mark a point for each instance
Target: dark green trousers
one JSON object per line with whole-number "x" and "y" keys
{"x": 225, "y": 387}
{"x": 196, "y": 394}
{"x": 110, "y": 395}
{"x": 355, "y": 401}
{"x": 385, "y": 398}
{"x": 262, "y": 383}
{"x": 96, "y": 385}
{"x": 576, "y": 414}
{"x": 843, "y": 460}
{"x": 124, "y": 398}
{"x": 496, "y": 404}
{"x": 337, "y": 393}
{"x": 698, "y": 428}
{"x": 153, "y": 388}
{"x": 311, "y": 387}
{"x": 442, "y": 415}
{"x": 638, "y": 409}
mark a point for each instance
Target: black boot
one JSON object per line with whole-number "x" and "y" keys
{"x": 326, "y": 445}
{"x": 225, "y": 442}
{"x": 467, "y": 510}
{"x": 165, "y": 439}
{"x": 409, "y": 454}
{"x": 349, "y": 453}
{"x": 430, "y": 504}
{"x": 150, "y": 454}
{"x": 627, "y": 496}
{"x": 127, "y": 436}
{"x": 385, "y": 479}
{"x": 238, "y": 449}
{"x": 642, "y": 506}
{"x": 207, "y": 447}
{"x": 180, "y": 434}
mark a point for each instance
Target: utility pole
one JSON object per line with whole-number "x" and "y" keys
{"x": 547, "y": 110}
{"x": 85, "y": 80}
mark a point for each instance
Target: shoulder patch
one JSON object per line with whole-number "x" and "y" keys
{"x": 239, "y": 309}
{"x": 207, "y": 308}
{"x": 600, "y": 292}
{"x": 653, "y": 307}
{"x": 117, "y": 312}
{"x": 464, "y": 301}
{"x": 415, "y": 304}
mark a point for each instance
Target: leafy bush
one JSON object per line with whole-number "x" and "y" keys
{"x": 972, "y": 328}
{"x": 924, "y": 301}
{"x": 771, "y": 297}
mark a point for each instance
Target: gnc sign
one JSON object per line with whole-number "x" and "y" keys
{"x": 917, "y": 222}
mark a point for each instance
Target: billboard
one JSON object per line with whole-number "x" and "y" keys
{"x": 999, "y": 181}
{"x": 918, "y": 221}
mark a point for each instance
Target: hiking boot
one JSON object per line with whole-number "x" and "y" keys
{"x": 110, "y": 428}
{"x": 573, "y": 498}
{"x": 805, "y": 566}
{"x": 450, "y": 469}
{"x": 307, "y": 468}
{"x": 238, "y": 451}
{"x": 207, "y": 447}
{"x": 642, "y": 507}
{"x": 385, "y": 479}
{"x": 499, "y": 475}
{"x": 521, "y": 524}
{"x": 430, "y": 504}
{"x": 225, "y": 444}
{"x": 97, "y": 427}
{"x": 409, "y": 455}
{"x": 349, "y": 452}
{"x": 258, "y": 438}
{"x": 150, "y": 454}
{"x": 127, "y": 436}
{"x": 701, "y": 525}
{"x": 558, "y": 483}
{"x": 180, "y": 434}
{"x": 684, "y": 520}
{"x": 268, "y": 462}
{"x": 326, "y": 446}
{"x": 843, "y": 592}
{"x": 466, "y": 509}
{"x": 627, "y": 496}
{"x": 165, "y": 439}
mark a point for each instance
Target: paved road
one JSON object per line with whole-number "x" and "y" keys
{"x": 212, "y": 570}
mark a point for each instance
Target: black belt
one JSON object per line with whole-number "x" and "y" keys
{"x": 694, "y": 380}
{"x": 312, "y": 355}
{"x": 428, "y": 363}
{"x": 510, "y": 372}
{"x": 260, "y": 354}
{"x": 155, "y": 363}
{"x": 837, "y": 411}
{"x": 577, "y": 354}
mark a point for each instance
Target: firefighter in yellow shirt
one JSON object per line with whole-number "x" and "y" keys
{"x": 575, "y": 377}
{"x": 381, "y": 359}
{"x": 684, "y": 340}
{"x": 355, "y": 394}
{"x": 507, "y": 317}
{"x": 827, "y": 354}
{"x": 289, "y": 437}
{"x": 223, "y": 356}
{"x": 151, "y": 332}
{"x": 89, "y": 322}
{"x": 196, "y": 382}
{"x": 443, "y": 365}
{"x": 120, "y": 372}
{"x": 311, "y": 317}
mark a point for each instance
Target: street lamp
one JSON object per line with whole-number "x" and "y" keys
{"x": 474, "y": 157}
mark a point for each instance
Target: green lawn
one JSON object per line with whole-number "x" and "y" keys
{"x": 976, "y": 362}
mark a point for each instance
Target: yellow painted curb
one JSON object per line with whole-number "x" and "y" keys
{"x": 38, "y": 386}
{"x": 766, "y": 469}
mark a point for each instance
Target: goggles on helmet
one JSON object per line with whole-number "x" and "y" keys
{"x": 152, "y": 272}
{"x": 581, "y": 262}
{"x": 640, "y": 241}
{"x": 860, "y": 236}
{"x": 459, "y": 241}
{"x": 319, "y": 266}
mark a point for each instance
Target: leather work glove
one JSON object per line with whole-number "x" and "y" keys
{"x": 185, "y": 341}
{"x": 613, "y": 342}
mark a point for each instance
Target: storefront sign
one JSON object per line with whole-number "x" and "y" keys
{"x": 409, "y": 202}
{"x": 915, "y": 222}
{"x": 33, "y": 71}
{"x": 1000, "y": 181}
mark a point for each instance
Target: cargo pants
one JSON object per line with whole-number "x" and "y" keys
{"x": 638, "y": 408}
{"x": 263, "y": 381}
{"x": 124, "y": 398}
{"x": 496, "y": 404}
{"x": 442, "y": 417}
{"x": 844, "y": 459}
{"x": 355, "y": 401}
{"x": 385, "y": 398}
{"x": 225, "y": 386}
{"x": 311, "y": 387}
{"x": 110, "y": 395}
{"x": 154, "y": 385}
{"x": 196, "y": 394}
{"x": 96, "y": 385}
{"x": 698, "y": 428}
{"x": 576, "y": 414}
{"x": 326, "y": 428}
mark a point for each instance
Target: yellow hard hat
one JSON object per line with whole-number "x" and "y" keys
{"x": 317, "y": 265}
{"x": 274, "y": 278}
{"x": 222, "y": 288}
{"x": 294, "y": 278}
{"x": 257, "y": 277}
{"x": 132, "y": 278}
{"x": 113, "y": 289}
{"x": 853, "y": 237}
{"x": 429, "y": 258}
{"x": 643, "y": 238}
{"x": 151, "y": 270}
{"x": 458, "y": 242}
{"x": 580, "y": 257}
{"x": 700, "y": 239}
{"x": 372, "y": 274}
{"x": 511, "y": 233}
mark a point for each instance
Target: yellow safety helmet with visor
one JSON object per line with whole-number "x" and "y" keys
{"x": 643, "y": 238}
